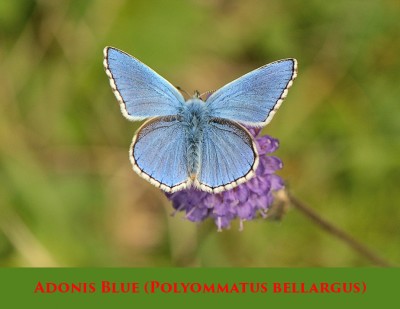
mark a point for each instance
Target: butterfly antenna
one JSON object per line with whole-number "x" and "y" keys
{"x": 207, "y": 94}
{"x": 182, "y": 90}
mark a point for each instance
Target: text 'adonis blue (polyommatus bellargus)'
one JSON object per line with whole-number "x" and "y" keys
{"x": 204, "y": 154}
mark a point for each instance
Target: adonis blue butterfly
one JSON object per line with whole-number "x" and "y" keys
{"x": 192, "y": 142}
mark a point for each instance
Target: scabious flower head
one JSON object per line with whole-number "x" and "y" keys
{"x": 245, "y": 201}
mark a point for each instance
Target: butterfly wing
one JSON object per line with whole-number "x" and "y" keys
{"x": 254, "y": 98}
{"x": 141, "y": 92}
{"x": 159, "y": 153}
{"x": 228, "y": 156}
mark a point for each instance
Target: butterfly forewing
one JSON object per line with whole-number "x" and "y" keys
{"x": 253, "y": 98}
{"x": 141, "y": 92}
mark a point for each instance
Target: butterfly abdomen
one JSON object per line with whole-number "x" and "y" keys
{"x": 194, "y": 117}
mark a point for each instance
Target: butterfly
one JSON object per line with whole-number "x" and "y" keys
{"x": 196, "y": 143}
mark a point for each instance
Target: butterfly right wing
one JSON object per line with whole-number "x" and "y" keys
{"x": 254, "y": 98}
{"x": 228, "y": 156}
{"x": 141, "y": 92}
{"x": 159, "y": 153}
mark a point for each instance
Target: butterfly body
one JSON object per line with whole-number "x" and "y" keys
{"x": 194, "y": 118}
{"x": 196, "y": 143}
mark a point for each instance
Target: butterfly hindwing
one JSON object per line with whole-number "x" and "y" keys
{"x": 159, "y": 153}
{"x": 254, "y": 98}
{"x": 228, "y": 156}
{"x": 141, "y": 92}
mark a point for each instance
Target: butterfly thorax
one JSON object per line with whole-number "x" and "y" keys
{"x": 194, "y": 118}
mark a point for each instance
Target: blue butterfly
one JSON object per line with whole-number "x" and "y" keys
{"x": 196, "y": 143}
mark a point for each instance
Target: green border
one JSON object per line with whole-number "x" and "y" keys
{"x": 18, "y": 284}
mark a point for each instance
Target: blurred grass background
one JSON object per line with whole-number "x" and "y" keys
{"x": 68, "y": 196}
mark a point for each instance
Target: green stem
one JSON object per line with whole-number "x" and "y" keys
{"x": 338, "y": 233}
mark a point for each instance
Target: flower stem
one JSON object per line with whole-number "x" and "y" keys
{"x": 337, "y": 232}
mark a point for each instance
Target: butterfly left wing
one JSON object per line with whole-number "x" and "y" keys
{"x": 159, "y": 153}
{"x": 141, "y": 92}
{"x": 228, "y": 156}
{"x": 254, "y": 98}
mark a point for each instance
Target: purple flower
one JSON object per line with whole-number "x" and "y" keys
{"x": 245, "y": 201}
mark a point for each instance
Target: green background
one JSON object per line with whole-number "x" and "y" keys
{"x": 68, "y": 196}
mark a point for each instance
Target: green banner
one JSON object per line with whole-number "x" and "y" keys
{"x": 195, "y": 287}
